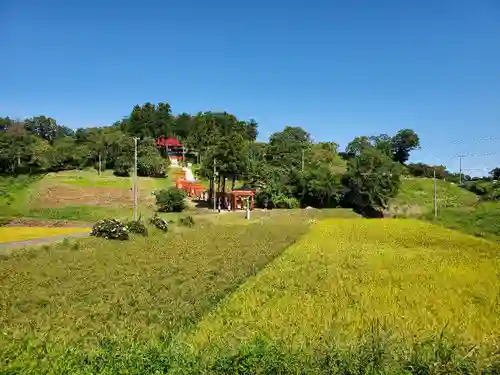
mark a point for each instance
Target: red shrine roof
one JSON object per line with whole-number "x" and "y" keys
{"x": 169, "y": 142}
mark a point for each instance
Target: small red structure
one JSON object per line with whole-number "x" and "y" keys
{"x": 193, "y": 189}
{"x": 168, "y": 142}
{"x": 237, "y": 196}
{"x": 173, "y": 148}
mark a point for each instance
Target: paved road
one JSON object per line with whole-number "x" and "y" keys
{"x": 5, "y": 247}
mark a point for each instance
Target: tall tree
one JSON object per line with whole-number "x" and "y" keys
{"x": 372, "y": 178}
{"x": 287, "y": 148}
{"x": 42, "y": 126}
{"x": 403, "y": 143}
{"x": 495, "y": 173}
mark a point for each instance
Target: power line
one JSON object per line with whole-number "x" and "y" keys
{"x": 477, "y": 140}
{"x": 477, "y": 154}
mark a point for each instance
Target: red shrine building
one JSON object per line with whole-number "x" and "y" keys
{"x": 172, "y": 148}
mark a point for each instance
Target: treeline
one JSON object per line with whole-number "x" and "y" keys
{"x": 289, "y": 171}
{"x": 425, "y": 170}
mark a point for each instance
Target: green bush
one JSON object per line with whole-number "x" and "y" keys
{"x": 151, "y": 166}
{"x": 137, "y": 227}
{"x": 112, "y": 229}
{"x": 122, "y": 167}
{"x": 159, "y": 223}
{"x": 187, "y": 221}
{"x": 171, "y": 200}
{"x": 282, "y": 201}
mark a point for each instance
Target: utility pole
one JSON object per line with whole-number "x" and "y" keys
{"x": 302, "y": 160}
{"x": 135, "y": 178}
{"x": 435, "y": 195}
{"x": 460, "y": 178}
{"x": 99, "y": 170}
{"x": 215, "y": 194}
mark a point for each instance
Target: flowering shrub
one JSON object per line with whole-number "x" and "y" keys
{"x": 110, "y": 229}
{"x": 159, "y": 223}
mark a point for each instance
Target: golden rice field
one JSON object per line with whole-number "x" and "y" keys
{"x": 408, "y": 279}
{"x": 282, "y": 293}
{"x": 11, "y": 234}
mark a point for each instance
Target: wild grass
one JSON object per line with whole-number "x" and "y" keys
{"x": 10, "y": 234}
{"x": 348, "y": 281}
{"x": 481, "y": 220}
{"x": 112, "y": 307}
{"x": 419, "y": 193}
{"x": 458, "y": 208}
{"x": 15, "y": 192}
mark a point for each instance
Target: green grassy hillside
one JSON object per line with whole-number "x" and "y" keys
{"x": 75, "y": 195}
{"x": 417, "y": 195}
{"x": 383, "y": 288}
{"x": 457, "y": 208}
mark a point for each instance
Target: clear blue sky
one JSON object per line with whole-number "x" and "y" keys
{"x": 337, "y": 68}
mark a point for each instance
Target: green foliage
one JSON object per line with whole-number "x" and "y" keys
{"x": 171, "y": 200}
{"x": 424, "y": 170}
{"x": 123, "y": 165}
{"x": 372, "y": 179}
{"x": 149, "y": 162}
{"x": 487, "y": 190}
{"x": 159, "y": 223}
{"x": 282, "y": 201}
{"x": 44, "y": 127}
{"x": 112, "y": 229}
{"x": 397, "y": 147}
{"x": 137, "y": 227}
{"x": 187, "y": 221}
{"x": 495, "y": 173}
{"x": 403, "y": 143}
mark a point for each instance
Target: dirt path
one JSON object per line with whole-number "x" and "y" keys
{"x": 8, "y": 246}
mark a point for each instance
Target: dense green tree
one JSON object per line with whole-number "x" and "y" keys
{"x": 371, "y": 179}
{"x": 44, "y": 127}
{"x": 288, "y": 147}
{"x": 403, "y": 143}
{"x": 495, "y": 173}
{"x": 149, "y": 161}
{"x": 358, "y": 145}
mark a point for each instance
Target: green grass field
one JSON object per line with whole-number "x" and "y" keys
{"x": 351, "y": 280}
{"x": 86, "y": 195}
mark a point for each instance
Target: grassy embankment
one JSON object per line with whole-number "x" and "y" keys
{"x": 457, "y": 208}
{"x": 93, "y": 306}
{"x": 75, "y": 195}
{"x": 361, "y": 297}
